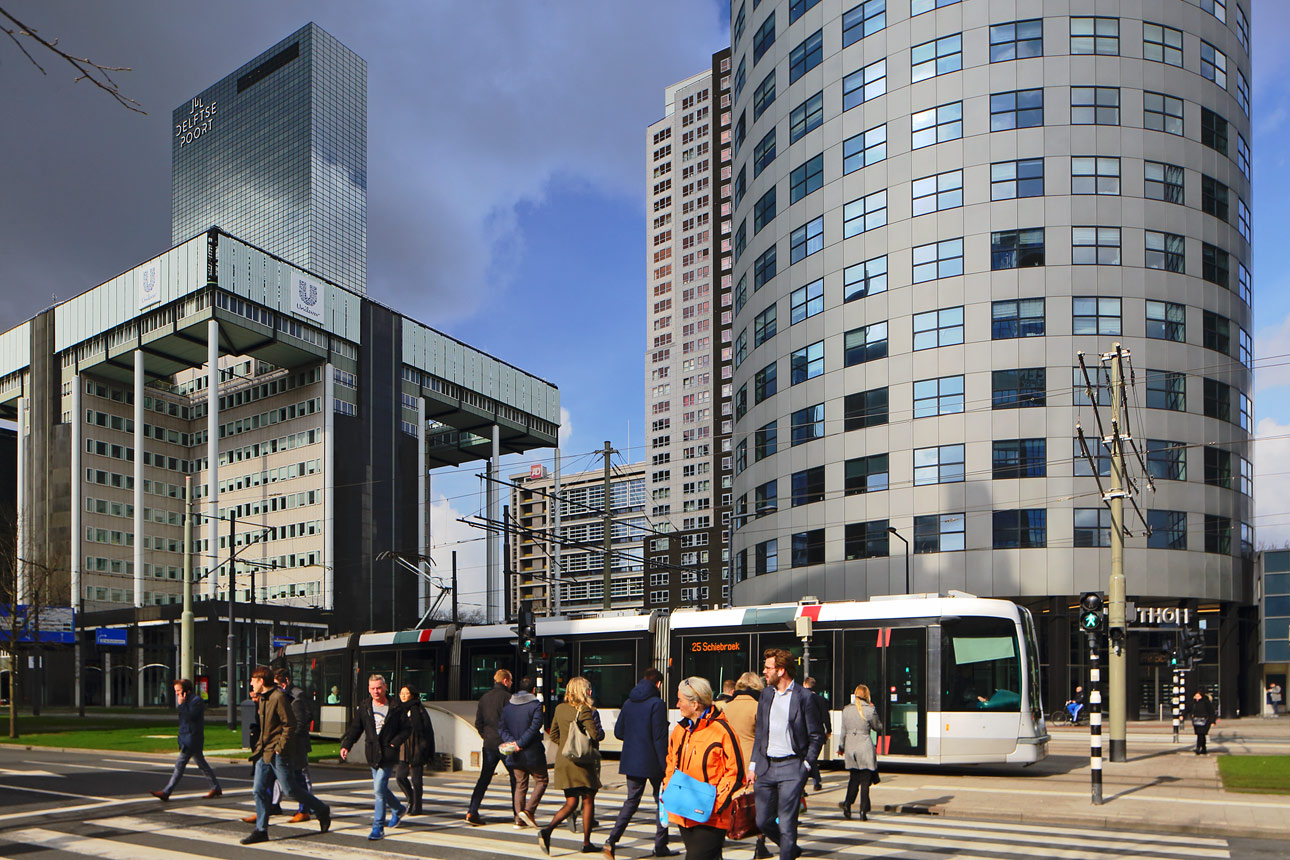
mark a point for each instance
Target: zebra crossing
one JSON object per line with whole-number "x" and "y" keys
{"x": 191, "y": 829}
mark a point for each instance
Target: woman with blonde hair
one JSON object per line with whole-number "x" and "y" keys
{"x": 703, "y": 746}
{"x": 857, "y": 749}
{"x": 580, "y": 780}
{"x": 741, "y": 713}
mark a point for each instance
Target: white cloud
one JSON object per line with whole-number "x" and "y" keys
{"x": 566, "y": 427}
{"x": 447, "y": 535}
{"x": 1271, "y": 487}
{"x": 1269, "y": 343}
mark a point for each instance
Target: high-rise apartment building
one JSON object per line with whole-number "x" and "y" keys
{"x": 938, "y": 206}
{"x": 276, "y": 154}
{"x": 688, "y": 349}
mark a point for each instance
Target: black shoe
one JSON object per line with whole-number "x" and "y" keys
{"x": 473, "y": 819}
{"x": 160, "y": 795}
{"x": 324, "y": 821}
{"x": 760, "y": 851}
{"x": 846, "y": 810}
{"x": 255, "y": 836}
{"x": 864, "y": 816}
{"x": 797, "y": 852}
{"x": 588, "y": 848}
{"x": 276, "y": 809}
{"x": 666, "y": 852}
{"x": 819, "y": 786}
{"x": 544, "y": 841}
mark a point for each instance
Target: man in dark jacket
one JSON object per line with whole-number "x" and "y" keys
{"x": 821, "y": 706}
{"x": 642, "y": 727}
{"x": 788, "y": 738}
{"x": 192, "y": 738}
{"x": 298, "y": 755}
{"x": 384, "y": 728}
{"x": 520, "y": 728}
{"x": 487, "y": 715}
{"x": 272, "y": 756}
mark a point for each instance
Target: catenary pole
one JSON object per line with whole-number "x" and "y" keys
{"x": 1117, "y": 662}
{"x": 186, "y": 620}
{"x": 608, "y": 524}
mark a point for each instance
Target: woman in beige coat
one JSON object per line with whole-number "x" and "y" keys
{"x": 579, "y": 781}
{"x": 741, "y": 713}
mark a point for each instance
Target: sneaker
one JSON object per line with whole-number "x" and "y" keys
{"x": 160, "y": 795}
{"x": 544, "y": 841}
{"x": 377, "y": 832}
{"x": 528, "y": 816}
{"x": 255, "y": 836}
{"x": 214, "y": 792}
{"x": 396, "y": 817}
{"x": 473, "y": 819}
{"x": 299, "y": 817}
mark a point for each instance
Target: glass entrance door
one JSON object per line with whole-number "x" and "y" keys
{"x": 891, "y": 662}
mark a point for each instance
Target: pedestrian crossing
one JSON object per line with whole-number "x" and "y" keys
{"x": 211, "y": 829}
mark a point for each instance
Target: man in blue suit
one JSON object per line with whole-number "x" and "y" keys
{"x": 192, "y": 738}
{"x": 788, "y": 739}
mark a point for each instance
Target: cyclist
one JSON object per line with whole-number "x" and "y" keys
{"x": 1076, "y": 704}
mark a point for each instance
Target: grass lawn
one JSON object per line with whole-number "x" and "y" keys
{"x": 1265, "y": 774}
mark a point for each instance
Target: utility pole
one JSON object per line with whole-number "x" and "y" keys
{"x": 454, "y": 587}
{"x": 608, "y": 522}
{"x": 232, "y": 597}
{"x": 1117, "y": 663}
{"x": 554, "y": 573}
{"x": 186, "y": 620}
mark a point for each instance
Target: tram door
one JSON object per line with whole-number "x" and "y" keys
{"x": 891, "y": 662}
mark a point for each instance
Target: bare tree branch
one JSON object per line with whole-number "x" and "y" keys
{"x": 96, "y": 73}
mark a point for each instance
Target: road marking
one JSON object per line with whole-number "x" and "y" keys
{"x": 87, "y": 845}
{"x": 220, "y": 836}
{"x": 5, "y": 771}
{"x": 1240, "y": 804}
{"x": 24, "y": 788}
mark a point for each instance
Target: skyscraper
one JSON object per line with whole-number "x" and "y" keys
{"x": 276, "y": 154}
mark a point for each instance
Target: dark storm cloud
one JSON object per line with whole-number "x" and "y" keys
{"x": 473, "y": 109}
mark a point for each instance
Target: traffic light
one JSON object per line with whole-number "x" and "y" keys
{"x": 1193, "y": 647}
{"x": 1090, "y": 616}
{"x": 527, "y": 631}
{"x": 1171, "y": 653}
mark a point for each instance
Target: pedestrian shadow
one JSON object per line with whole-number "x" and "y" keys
{"x": 919, "y": 806}
{"x": 1160, "y": 780}
{"x": 1171, "y": 751}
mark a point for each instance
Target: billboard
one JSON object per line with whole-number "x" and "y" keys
{"x": 53, "y": 624}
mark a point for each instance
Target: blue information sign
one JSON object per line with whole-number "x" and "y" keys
{"x": 111, "y": 636}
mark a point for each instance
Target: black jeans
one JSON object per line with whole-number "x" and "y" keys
{"x": 635, "y": 792}
{"x": 1201, "y": 734}
{"x": 860, "y": 779}
{"x": 412, "y": 788}
{"x": 703, "y": 842}
{"x": 490, "y": 759}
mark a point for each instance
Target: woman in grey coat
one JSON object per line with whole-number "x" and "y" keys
{"x": 857, "y": 749}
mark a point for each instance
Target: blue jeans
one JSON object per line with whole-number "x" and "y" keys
{"x": 381, "y": 788}
{"x": 182, "y": 762}
{"x": 778, "y": 796}
{"x": 265, "y": 774}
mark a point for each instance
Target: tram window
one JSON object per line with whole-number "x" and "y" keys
{"x": 821, "y": 661}
{"x": 482, "y": 668}
{"x": 421, "y": 671}
{"x": 716, "y": 658}
{"x": 611, "y": 669}
{"x": 981, "y": 668}
{"x": 331, "y": 679}
{"x": 376, "y": 663}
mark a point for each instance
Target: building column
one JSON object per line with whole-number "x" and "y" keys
{"x": 495, "y": 585}
{"x": 329, "y": 484}
{"x": 21, "y": 513}
{"x": 212, "y": 454}
{"x": 138, "y": 510}
{"x": 423, "y": 492}
{"x": 74, "y": 550}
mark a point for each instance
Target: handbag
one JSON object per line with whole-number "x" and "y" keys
{"x": 578, "y": 748}
{"x": 689, "y": 797}
{"x": 1199, "y": 722}
{"x": 743, "y": 817}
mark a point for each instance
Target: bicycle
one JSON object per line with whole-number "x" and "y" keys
{"x": 1072, "y": 714}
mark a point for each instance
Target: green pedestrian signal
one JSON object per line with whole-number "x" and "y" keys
{"x": 1090, "y": 621}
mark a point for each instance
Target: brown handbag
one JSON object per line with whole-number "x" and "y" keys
{"x": 743, "y": 817}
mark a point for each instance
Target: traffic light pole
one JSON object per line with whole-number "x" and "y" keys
{"x": 1094, "y": 720}
{"x": 1117, "y": 662}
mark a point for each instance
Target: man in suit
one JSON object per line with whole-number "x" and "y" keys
{"x": 788, "y": 739}
{"x": 826, "y": 722}
{"x": 192, "y": 738}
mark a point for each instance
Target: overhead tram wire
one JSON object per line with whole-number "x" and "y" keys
{"x": 600, "y": 512}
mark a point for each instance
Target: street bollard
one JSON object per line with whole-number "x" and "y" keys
{"x": 1094, "y": 720}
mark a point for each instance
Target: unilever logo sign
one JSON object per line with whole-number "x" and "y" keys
{"x": 307, "y": 299}
{"x": 149, "y": 286}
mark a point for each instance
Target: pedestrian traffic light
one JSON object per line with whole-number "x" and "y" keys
{"x": 1172, "y": 654}
{"x": 527, "y": 631}
{"x": 1193, "y": 647}
{"x": 1090, "y": 616}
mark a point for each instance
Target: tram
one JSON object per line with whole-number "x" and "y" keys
{"x": 955, "y": 677}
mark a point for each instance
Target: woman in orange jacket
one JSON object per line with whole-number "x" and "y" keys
{"x": 703, "y": 746}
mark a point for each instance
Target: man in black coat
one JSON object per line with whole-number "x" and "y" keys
{"x": 298, "y": 753}
{"x": 192, "y": 738}
{"x": 642, "y": 727}
{"x": 384, "y": 728}
{"x": 821, "y": 705}
{"x": 487, "y": 716}
{"x": 788, "y": 738}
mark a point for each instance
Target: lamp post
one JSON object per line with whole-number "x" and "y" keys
{"x": 892, "y": 530}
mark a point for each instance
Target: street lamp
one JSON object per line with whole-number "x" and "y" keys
{"x": 892, "y": 530}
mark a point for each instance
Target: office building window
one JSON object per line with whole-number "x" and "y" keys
{"x": 741, "y": 348}
{"x": 940, "y": 464}
{"x": 1020, "y": 458}
{"x": 806, "y": 363}
{"x": 764, "y": 153}
{"x": 1015, "y": 249}
{"x": 741, "y": 21}
{"x": 806, "y": 178}
{"x": 940, "y": 533}
{"x": 1167, "y": 321}
{"x": 866, "y": 343}
{"x": 1218, "y": 534}
{"x": 942, "y": 191}
{"x": 1017, "y": 40}
{"x": 1242, "y": 92}
{"x": 1242, "y": 154}
{"x": 1164, "y": 181}
{"x": 1099, "y": 381}
{"x": 741, "y": 239}
{"x": 807, "y": 424}
{"x": 1095, "y": 315}
{"x": 864, "y": 214}
{"x": 740, "y": 186}
{"x": 1021, "y": 178}
{"x": 1026, "y": 528}
{"x": 864, "y": 279}
{"x": 938, "y": 328}
{"x": 763, "y": 38}
{"x": 1213, "y": 130}
{"x": 1244, "y": 285}
{"x": 1243, "y": 220}
{"x": 937, "y": 57}
{"x": 1095, "y": 36}
{"x": 1216, "y": 332}
{"x": 741, "y": 401}
{"x": 808, "y": 486}
{"x": 1217, "y": 399}
{"x": 766, "y": 499}
{"x": 942, "y": 396}
{"x": 806, "y": 56}
{"x": 764, "y": 383}
{"x": 865, "y": 409}
{"x": 806, "y": 240}
{"x": 1098, "y": 458}
{"x": 1095, "y": 246}
{"x": 1167, "y": 389}
{"x": 862, "y": 20}
{"x": 764, "y": 268}
{"x": 1213, "y": 64}
{"x": 1218, "y": 467}
{"x": 764, "y": 95}
{"x": 1092, "y": 527}
{"x": 918, "y": 7}
{"x": 867, "y": 474}
{"x": 806, "y": 302}
{"x": 1162, "y": 44}
{"x": 808, "y": 548}
{"x": 1019, "y": 388}
{"x": 1166, "y": 251}
{"x": 864, "y": 84}
{"x": 798, "y": 8}
{"x": 1162, "y": 113}
{"x": 1095, "y": 175}
{"x": 1016, "y": 109}
{"x": 1166, "y": 460}
{"x": 866, "y": 540}
{"x": 1095, "y": 106}
{"x": 861, "y": 150}
{"x": 938, "y": 124}
{"x": 806, "y": 117}
{"x": 1168, "y": 529}
{"x": 741, "y": 78}
{"x": 765, "y": 441}
{"x": 764, "y": 210}
{"x": 766, "y": 557}
{"x": 938, "y": 260}
{"x": 1213, "y": 197}
{"x": 1214, "y": 265}
{"x": 1016, "y": 318}
{"x": 764, "y": 326}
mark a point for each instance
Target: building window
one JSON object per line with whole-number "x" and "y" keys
{"x": 741, "y": 348}
{"x": 741, "y": 239}
{"x": 861, "y": 150}
{"x": 1167, "y": 321}
{"x": 1098, "y": 458}
{"x": 1213, "y": 197}
{"x": 808, "y": 548}
{"x": 1243, "y": 220}
{"x": 940, "y": 533}
{"x": 764, "y": 153}
{"x": 766, "y": 499}
{"x": 1092, "y": 527}
{"x": 764, "y": 326}
{"x": 1242, "y": 91}
{"x": 806, "y": 240}
{"x": 764, "y": 383}
{"x": 1217, "y": 399}
{"x": 741, "y": 185}
{"x": 741, "y": 401}
{"x": 865, "y": 409}
{"x": 1014, "y": 249}
{"x": 1168, "y": 529}
{"x": 938, "y": 124}
{"x": 1162, "y": 113}
{"x": 918, "y": 7}
{"x": 1162, "y": 44}
{"x": 1166, "y": 251}
{"x": 764, "y": 268}
{"x": 741, "y": 78}
{"x": 1218, "y": 468}
{"x": 798, "y": 8}
{"x": 741, "y": 458}
{"x": 765, "y": 441}
{"x": 938, "y": 260}
{"x": 1095, "y": 246}
{"x": 1213, "y": 64}
{"x": 1164, "y": 181}
{"x": 1218, "y": 534}
{"x": 806, "y": 302}
{"x": 1020, "y": 458}
{"x": 1242, "y": 154}
{"x": 1095, "y": 175}
{"x": 1016, "y": 109}
{"x": 1244, "y": 286}
{"x": 866, "y": 540}
{"x": 1166, "y": 460}
{"x": 1217, "y": 8}
{"x": 864, "y": 279}
{"x": 941, "y": 464}
{"x": 806, "y": 363}
{"x": 1213, "y": 130}
{"x": 1095, "y": 106}
{"x": 863, "y": 20}
{"x": 1021, "y": 178}
{"x": 1095, "y": 36}
{"x": 1214, "y": 265}
{"x": 942, "y": 191}
{"x": 867, "y": 474}
{"x": 864, "y": 214}
{"x": 1019, "y": 388}
{"x": 808, "y": 486}
{"x": 1016, "y": 318}
{"x": 764, "y": 210}
{"x": 763, "y": 38}
{"x": 806, "y": 117}
{"x": 1167, "y": 389}
{"x": 866, "y": 343}
{"x": 1095, "y": 315}
{"x": 943, "y": 396}
{"x": 807, "y": 424}
{"x": 764, "y": 95}
{"x": 937, "y": 57}
{"x": 1017, "y": 40}
{"x": 1242, "y": 28}
{"x": 806, "y": 56}
{"x": 806, "y": 179}
{"x": 1026, "y": 528}
{"x": 740, "y": 21}
{"x": 1216, "y": 332}
{"x": 864, "y": 84}
{"x": 938, "y": 328}
{"x": 766, "y": 557}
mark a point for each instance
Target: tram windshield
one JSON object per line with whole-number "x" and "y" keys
{"x": 981, "y": 665}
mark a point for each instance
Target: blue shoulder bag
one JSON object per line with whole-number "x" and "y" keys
{"x": 689, "y": 797}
